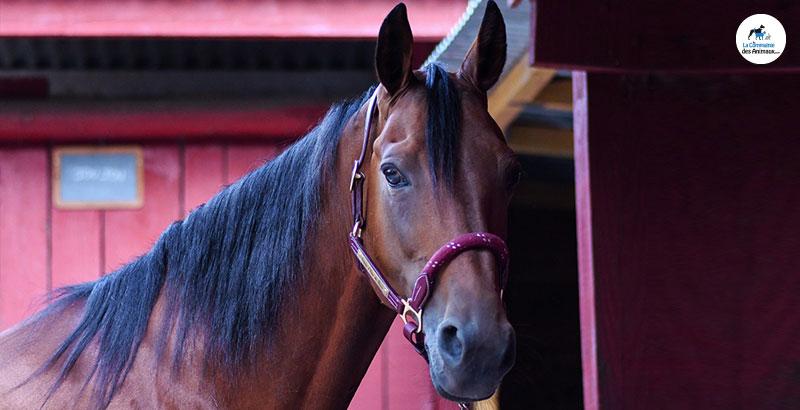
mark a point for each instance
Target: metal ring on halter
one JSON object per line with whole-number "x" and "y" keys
{"x": 417, "y": 316}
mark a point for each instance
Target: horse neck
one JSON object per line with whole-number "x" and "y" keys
{"x": 332, "y": 331}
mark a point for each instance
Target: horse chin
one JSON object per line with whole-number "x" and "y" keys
{"x": 462, "y": 388}
{"x": 459, "y": 399}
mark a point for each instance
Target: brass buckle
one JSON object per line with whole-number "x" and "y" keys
{"x": 417, "y": 316}
{"x": 357, "y": 229}
{"x": 354, "y": 175}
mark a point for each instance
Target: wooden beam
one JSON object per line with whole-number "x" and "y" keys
{"x": 222, "y": 19}
{"x": 518, "y": 87}
{"x": 280, "y": 86}
{"x": 557, "y": 95}
{"x": 583, "y": 220}
{"x": 81, "y": 121}
{"x": 542, "y": 141}
{"x": 679, "y": 36}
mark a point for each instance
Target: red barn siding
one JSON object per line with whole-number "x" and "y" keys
{"x": 204, "y": 174}
{"x": 23, "y": 231}
{"x": 75, "y": 243}
{"x": 128, "y": 233}
{"x": 242, "y": 159}
{"x": 398, "y": 379}
{"x": 406, "y": 372}
{"x": 42, "y": 247}
{"x": 372, "y": 392}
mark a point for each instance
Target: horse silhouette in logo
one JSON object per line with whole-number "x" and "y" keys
{"x": 759, "y": 32}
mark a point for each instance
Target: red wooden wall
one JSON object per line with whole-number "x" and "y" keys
{"x": 688, "y": 207}
{"x": 24, "y": 231}
{"x": 42, "y": 248}
{"x": 687, "y": 194}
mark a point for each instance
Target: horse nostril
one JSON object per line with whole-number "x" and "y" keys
{"x": 450, "y": 344}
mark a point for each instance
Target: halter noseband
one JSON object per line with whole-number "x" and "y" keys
{"x": 410, "y": 309}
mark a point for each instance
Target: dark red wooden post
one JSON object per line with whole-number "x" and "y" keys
{"x": 688, "y": 203}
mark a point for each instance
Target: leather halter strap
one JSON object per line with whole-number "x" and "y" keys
{"x": 410, "y": 309}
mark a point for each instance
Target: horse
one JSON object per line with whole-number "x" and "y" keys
{"x": 255, "y": 299}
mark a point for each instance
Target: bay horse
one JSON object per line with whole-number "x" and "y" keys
{"x": 255, "y": 300}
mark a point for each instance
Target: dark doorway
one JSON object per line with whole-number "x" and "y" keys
{"x": 542, "y": 293}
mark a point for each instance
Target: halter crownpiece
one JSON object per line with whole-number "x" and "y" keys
{"x": 410, "y": 309}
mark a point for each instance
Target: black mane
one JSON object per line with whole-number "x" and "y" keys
{"x": 444, "y": 123}
{"x": 226, "y": 270}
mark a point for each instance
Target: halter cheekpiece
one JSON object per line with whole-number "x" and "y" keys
{"x": 410, "y": 309}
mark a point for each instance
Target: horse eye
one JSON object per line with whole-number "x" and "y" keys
{"x": 393, "y": 176}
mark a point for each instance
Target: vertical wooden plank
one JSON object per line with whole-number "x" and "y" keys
{"x": 75, "y": 242}
{"x": 129, "y": 233}
{"x": 244, "y": 158}
{"x": 371, "y": 393}
{"x": 23, "y": 232}
{"x": 203, "y": 174}
{"x": 396, "y": 370}
{"x": 583, "y": 211}
{"x": 407, "y": 372}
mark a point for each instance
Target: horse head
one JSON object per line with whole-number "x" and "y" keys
{"x": 439, "y": 167}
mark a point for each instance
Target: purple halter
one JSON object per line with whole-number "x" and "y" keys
{"x": 410, "y": 309}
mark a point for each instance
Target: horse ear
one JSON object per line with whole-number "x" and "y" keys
{"x": 485, "y": 59}
{"x": 393, "y": 51}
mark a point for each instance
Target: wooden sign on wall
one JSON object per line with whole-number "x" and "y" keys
{"x": 97, "y": 178}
